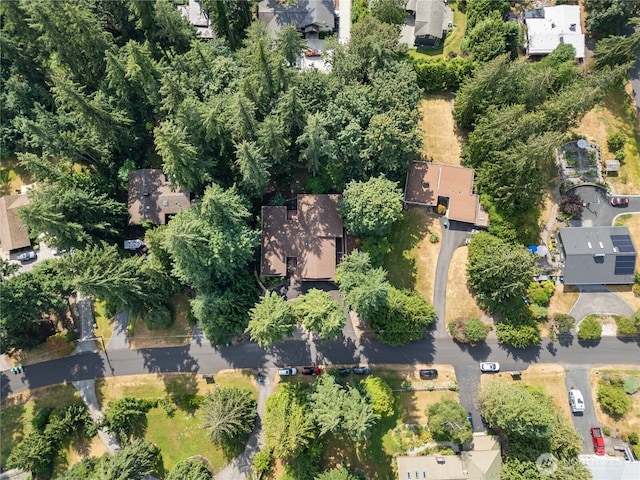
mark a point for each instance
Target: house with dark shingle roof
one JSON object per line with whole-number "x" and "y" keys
{"x": 308, "y": 16}
{"x": 13, "y": 233}
{"x": 597, "y": 255}
{"x": 152, "y": 198}
{"x": 305, "y": 241}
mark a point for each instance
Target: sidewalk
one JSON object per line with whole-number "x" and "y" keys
{"x": 87, "y": 390}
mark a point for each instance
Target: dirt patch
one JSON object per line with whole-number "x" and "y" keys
{"x": 79, "y": 450}
{"x": 442, "y": 139}
{"x": 631, "y": 421}
{"x": 549, "y": 376}
{"x": 460, "y": 302}
{"x": 625, "y": 292}
{"x": 615, "y": 113}
{"x": 563, "y": 299}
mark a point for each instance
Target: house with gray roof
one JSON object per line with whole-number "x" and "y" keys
{"x": 597, "y": 255}
{"x": 308, "y": 16}
{"x": 430, "y": 20}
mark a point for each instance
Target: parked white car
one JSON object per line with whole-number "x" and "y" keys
{"x": 489, "y": 367}
{"x": 27, "y": 256}
{"x": 285, "y": 372}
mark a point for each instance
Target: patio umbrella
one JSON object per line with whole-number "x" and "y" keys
{"x": 542, "y": 251}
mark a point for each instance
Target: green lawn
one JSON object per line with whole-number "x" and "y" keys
{"x": 16, "y": 413}
{"x": 105, "y": 324}
{"x": 455, "y": 36}
{"x": 181, "y": 435}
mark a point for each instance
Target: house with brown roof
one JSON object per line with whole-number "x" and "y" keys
{"x": 152, "y": 198}
{"x": 13, "y": 233}
{"x": 431, "y": 184}
{"x": 305, "y": 241}
{"x": 482, "y": 462}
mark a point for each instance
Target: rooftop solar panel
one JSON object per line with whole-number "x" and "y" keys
{"x": 622, "y": 243}
{"x": 625, "y": 265}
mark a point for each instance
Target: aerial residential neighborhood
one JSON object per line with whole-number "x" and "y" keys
{"x": 320, "y": 239}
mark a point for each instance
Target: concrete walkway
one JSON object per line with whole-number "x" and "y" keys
{"x": 87, "y": 390}
{"x": 119, "y": 339}
{"x": 599, "y": 300}
{"x": 240, "y": 467}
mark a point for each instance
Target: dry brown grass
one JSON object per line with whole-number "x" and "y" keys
{"x": 460, "y": 302}
{"x": 627, "y": 295}
{"x": 549, "y": 376}
{"x": 412, "y": 261}
{"x": 56, "y": 346}
{"x": 79, "y": 450}
{"x": 631, "y": 421}
{"x": 412, "y": 405}
{"x": 563, "y": 299}
{"x": 442, "y": 139}
{"x": 176, "y": 335}
{"x": 615, "y": 113}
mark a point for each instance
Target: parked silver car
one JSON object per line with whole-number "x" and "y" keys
{"x": 27, "y": 256}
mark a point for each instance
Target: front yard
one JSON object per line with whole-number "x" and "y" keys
{"x": 460, "y": 303}
{"x": 619, "y": 426}
{"x": 411, "y": 263}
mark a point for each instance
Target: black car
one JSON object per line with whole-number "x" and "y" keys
{"x": 311, "y": 370}
{"x": 361, "y": 370}
{"x": 343, "y": 372}
{"x": 427, "y": 373}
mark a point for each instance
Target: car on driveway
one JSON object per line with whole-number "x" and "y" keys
{"x": 598, "y": 440}
{"x": 619, "y": 201}
{"x": 27, "y": 256}
{"x": 311, "y": 370}
{"x": 428, "y": 373}
{"x": 489, "y": 367}
{"x": 287, "y": 371}
{"x": 361, "y": 370}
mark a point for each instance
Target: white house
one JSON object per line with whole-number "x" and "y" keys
{"x": 548, "y": 27}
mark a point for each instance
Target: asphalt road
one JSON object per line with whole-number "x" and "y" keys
{"x": 203, "y": 359}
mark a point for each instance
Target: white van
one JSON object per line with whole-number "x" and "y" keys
{"x": 576, "y": 401}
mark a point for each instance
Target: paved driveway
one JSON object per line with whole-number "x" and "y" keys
{"x": 598, "y": 211}
{"x": 578, "y": 377}
{"x": 597, "y": 299}
{"x": 452, "y": 237}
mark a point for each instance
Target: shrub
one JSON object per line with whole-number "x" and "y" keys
{"x": 453, "y": 386}
{"x": 633, "y": 438}
{"x": 519, "y": 336}
{"x": 540, "y": 293}
{"x": 636, "y": 289}
{"x": 441, "y": 209}
{"x": 564, "y": 322}
{"x": 616, "y": 141}
{"x": 433, "y": 238}
{"x": 590, "y": 329}
{"x": 620, "y": 156}
{"x": 168, "y": 406}
{"x": 41, "y": 418}
{"x": 631, "y": 385}
{"x": 377, "y": 248}
{"x": 262, "y": 461}
{"x": 476, "y": 331}
{"x": 538, "y": 312}
{"x": 626, "y": 326}
{"x": 636, "y": 451}
{"x": 158, "y": 317}
{"x": 613, "y": 400}
{"x": 606, "y": 431}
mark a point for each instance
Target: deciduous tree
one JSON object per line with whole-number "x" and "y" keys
{"x": 371, "y": 208}
{"x": 320, "y": 313}
{"x": 448, "y": 422}
{"x": 380, "y": 395}
{"x": 287, "y": 429}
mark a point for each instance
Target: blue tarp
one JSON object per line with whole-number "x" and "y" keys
{"x": 532, "y": 248}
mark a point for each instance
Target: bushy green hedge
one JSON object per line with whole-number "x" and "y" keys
{"x": 613, "y": 399}
{"x": 439, "y": 74}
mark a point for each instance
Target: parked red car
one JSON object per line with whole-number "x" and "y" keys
{"x": 598, "y": 440}
{"x": 311, "y": 370}
{"x": 619, "y": 201}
